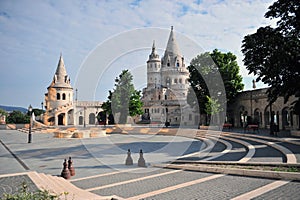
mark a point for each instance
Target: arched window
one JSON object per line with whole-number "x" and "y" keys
{"x": 285, "y": 117}
{"x": 63, "y": 96}
{"x": 80, "y": 120}
{"x": 92, "y": 118}
{"x": 175, "y": 80}
{"x": 180, "y": 80}
{"x": 58, "y": 96}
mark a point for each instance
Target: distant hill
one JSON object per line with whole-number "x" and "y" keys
{"x": 12, "y": 108}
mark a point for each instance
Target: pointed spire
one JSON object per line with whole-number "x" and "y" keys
{"x": 61, "y": 70}
{"x": 153, "y": 54}
{"x": 172, "y": 46}
{"x": 61, "y": 78}
{"x": 153, "y": 48}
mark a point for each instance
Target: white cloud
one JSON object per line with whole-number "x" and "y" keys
{"x": 33, "y": 33}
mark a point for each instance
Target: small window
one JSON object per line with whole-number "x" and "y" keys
{"x": 166, "y": 97}
{"x": 178, "y": 64}
{"x": 180, "y": 81}
{"x": 63, "y": 96}
{"x": 168, "y": 64}
{"x": 58, "y": 96}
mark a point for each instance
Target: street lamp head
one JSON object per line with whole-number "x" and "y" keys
{"x": 30, "y": 108}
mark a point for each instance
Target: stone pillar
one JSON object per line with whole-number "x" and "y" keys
{"x": 66, "y": 119}
{"x": 56, "y": 120}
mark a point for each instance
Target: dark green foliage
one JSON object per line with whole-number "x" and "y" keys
{"x": 124, "y": 99}
{"x": 272, "y": 54}
{"x": 17, "y": 117}
{"x": 24, "y": 194}
{"x": 204, "y": 69}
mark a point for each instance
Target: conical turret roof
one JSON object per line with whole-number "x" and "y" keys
{"x": 61, "y": 69}
{"x": 172, "y": 46}
{"x": 61, "y": 78}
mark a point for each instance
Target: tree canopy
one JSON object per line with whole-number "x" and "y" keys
{"x": 124, "y": 99}
{"x": 204, "y": 71}
{"x": 272, "y": 53}
{"x": 17, "y": 117}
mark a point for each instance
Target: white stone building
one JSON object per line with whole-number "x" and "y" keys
{"x": 61, "y": 108}
{"x": 165, "y": 97}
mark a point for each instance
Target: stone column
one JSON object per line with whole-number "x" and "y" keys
{"x": 66, "y": 119}
{"x": 56, "y": 120}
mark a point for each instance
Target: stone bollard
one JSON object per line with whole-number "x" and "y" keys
{"x": 65, "y": 172}
{"x": 141, "y": 161}
{"x": 70, "y": 166}
{"x": 129, "y": 160}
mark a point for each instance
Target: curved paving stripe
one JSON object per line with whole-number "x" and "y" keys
{"x": 290, "y": 156}
{"x": 209, "y": 145}
{"x": 219, "y": 154}
{"x": 267, "y": 138}
{"x": 250, "y": 147}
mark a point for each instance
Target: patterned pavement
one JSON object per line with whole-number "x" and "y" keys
{"x": 99, "y": 163}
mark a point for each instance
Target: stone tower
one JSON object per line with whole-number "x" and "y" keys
{"x": 59, "y": 98}
{"x": 167, "y": 84}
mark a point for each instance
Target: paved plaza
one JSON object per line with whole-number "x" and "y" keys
{"x": 100, "y": 163}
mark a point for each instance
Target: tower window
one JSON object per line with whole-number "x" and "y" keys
{"x": 166, "y": 97}
{"x": 180, "y": 80}
{"x": 175, "y": 80}
{"x": 177, "y": 64}
{"x": 168, "y": 64}
{"x": 58, "y": 96}
{"x": 63, "y": 96}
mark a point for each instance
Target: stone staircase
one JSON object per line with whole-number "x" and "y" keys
{"x": 60, "y": 186}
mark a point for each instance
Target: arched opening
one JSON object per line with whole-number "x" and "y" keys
{"x": 92, "y": 118}
{"x": 60, "y": 119}
{"x": 63, "y": 96}
{"x": 58, "y": 96}
{"x": 102, "y": 118}
{"x": 256, "y": 117}
{"x": 285, "y": 118}
{"x": 80, "y": 120}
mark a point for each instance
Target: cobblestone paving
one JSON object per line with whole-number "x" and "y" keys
{"x": 238, "y": 151}
{"x": 288, "y": 192}
{"x": 12, "y": 184}
{"x": 91, "y": 157}
{"x": 222, "y": 188}
{"x": 152, "y": 184}
{"x": 105, "y": 180}
{"x": 265, "y": 153}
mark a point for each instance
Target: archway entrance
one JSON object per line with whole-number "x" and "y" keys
{"x": 60, "y": 119}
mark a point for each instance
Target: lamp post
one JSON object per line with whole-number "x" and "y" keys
{"x": 29, "y": 135}
{"x": 84, "y": 117}
{"x": 251, "y": 97}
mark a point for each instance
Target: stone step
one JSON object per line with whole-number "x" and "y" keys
{"x": 60, "y": 186}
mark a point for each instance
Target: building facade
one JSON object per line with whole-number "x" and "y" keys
{"x": 61, "y": 108}
{"x": 253, "y": 107}
{"x": 165, "y": 97}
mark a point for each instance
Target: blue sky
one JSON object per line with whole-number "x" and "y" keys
{"x": 33, "y": 34}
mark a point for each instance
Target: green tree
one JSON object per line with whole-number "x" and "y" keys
{"x": 272, "y": 54}
{"x": 203, "y": 70}
{"x": 124, "y": 99}
{"x": 3, "y": 112}
{"x": 17, "y": 117}
{"x": 212, "y": 107}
